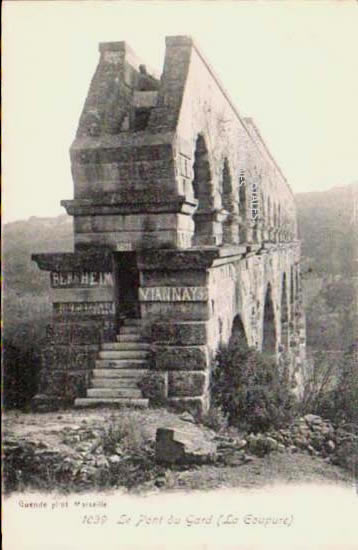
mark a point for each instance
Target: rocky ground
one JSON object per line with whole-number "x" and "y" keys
{"x": 87, "y": 450}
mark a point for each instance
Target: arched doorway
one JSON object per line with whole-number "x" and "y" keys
{"x": 269, "y": 330}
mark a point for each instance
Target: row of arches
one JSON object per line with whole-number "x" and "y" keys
{"x": 232, "y": 214}
{"x": 271, "y": 343}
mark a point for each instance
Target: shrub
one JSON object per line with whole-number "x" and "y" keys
{"x": 319, "y": 382}
{"x": 331, "y": 388}
{"x": 251, "y": 389}
{"x": 124, "y": 432}
{"x": 346, "y": 392}
{"x": 21, "y": 371}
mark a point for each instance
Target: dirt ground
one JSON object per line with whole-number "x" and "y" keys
{"x": 274, "y": 468}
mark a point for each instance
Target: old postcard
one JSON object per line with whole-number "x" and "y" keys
{"x": 180, "y": 251}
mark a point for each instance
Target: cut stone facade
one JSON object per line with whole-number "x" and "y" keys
{"x": 184, "y": 226}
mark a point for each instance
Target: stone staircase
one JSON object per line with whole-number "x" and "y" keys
{"x": 120, "y": 365}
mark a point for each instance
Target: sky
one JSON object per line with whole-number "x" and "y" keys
{"x": 292, "y": 66}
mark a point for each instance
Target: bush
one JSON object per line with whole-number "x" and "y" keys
{"x": 21, "y": 371}
{"x": 346, "y": 392}
{"x": 319, "y": 382}
{"x": 125, "y": 433}
{"x": 251, "y": 389}
{"x": 331, "y": 388}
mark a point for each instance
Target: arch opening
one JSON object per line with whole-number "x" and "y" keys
{"x": 243, "y": 212}
{"x": 269, "y": 330}
{"x": 228, "y": 203}
{"x": 284, "y": 315}
{"x": 238, "y": 337}
{"x": 202, "y": 189}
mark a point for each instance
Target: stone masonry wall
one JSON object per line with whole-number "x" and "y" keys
{"x": 168, "y": 169}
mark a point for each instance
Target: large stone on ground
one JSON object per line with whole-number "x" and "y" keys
{"x": 313, "y": 419}
{"x": 173, "y": 446}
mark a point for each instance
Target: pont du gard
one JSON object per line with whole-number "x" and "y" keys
{"x": 185, "y": 235}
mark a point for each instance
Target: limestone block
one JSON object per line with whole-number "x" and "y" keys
{"x": 189, "y": 277}
{"x": 187, "y": 384}
{"x": 76, "y": 333}
{"x": 181, "y": 357}
{"x": 154, "y": 386}
{"x": 179, "y": 311}
{"x": 63, "y": 357}
{"x": 173, "y": 446}
{"x": 138, "y": 239}
{"x": 182, "y": 334}
{"x": 102, "y": 294}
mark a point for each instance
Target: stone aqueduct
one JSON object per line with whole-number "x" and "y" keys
{"x": 184, "y": 229}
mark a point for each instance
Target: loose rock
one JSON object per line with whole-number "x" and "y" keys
{"x": 178, "y": 447}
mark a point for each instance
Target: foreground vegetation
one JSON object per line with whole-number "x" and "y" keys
{"x": 76, "y": 451}
{"x": 261, "y": 433}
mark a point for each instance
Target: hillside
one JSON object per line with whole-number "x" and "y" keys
{"x": 328, "y": 228}
{"x": 26, "y": 306}
{"x": 26, "y": 237}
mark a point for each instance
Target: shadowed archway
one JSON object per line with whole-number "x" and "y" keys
{"x": 202, "y": 187}
{"x": 269, "y": 330}
{"x": 284, "y": 314}
{"x": 238, "y": 334}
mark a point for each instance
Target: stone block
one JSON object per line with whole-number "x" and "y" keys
{"x": 86, "y": 332}
{"x": 177, "y": 311}
{"x": 87, "y": 260}
{"x": 174, "y": 278}
{"x": 187, "y": 384}
{"x": 104, "y": 294}
{"x": 139, "y": 239}
{"x": 180, "y": 334}
{"x": 181, "y": 358}
{"x": 173, "y": 446}
{"x": 154, "y": 386}
{"x": 64, "y": 357}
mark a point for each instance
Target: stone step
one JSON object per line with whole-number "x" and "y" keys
{"x": 124, "y": 354}
{"x": 129, "y": 393}
{"x": 114, "y": 374}
{"x": 129, "y": 338}
{"x": 124, "y": 346}
{"x": 130, "y": 330}
{"x": 121, "y": 383}
{"x": 121, "y": 364}
{"x": 108, "y": 401}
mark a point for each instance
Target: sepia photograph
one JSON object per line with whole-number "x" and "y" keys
{"x": 180, "y": 274}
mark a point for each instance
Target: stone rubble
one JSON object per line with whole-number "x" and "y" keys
{"x": 310, "y": 433}
{"x": 84, "y": 462}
